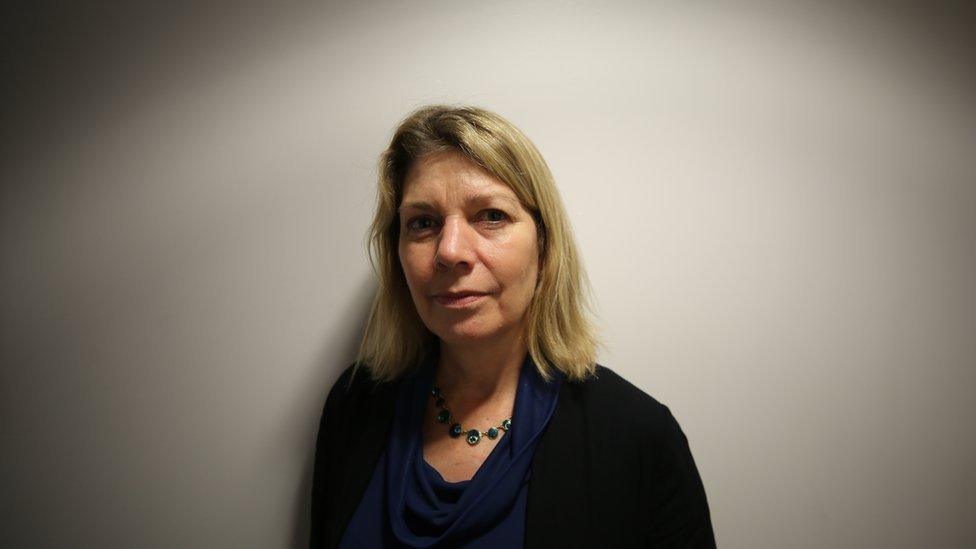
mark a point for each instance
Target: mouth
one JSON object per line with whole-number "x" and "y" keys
{"x": 459, "y": 299}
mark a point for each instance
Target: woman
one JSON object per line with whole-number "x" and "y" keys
{"x": 475, "y": 414}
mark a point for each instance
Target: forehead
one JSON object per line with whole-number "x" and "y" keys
{"x": 450, "y": 176}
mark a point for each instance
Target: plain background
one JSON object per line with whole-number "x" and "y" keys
{"x": 776, "y": 207}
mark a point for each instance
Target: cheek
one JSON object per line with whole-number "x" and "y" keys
{"x": 405, "y": 265}
{"x": 413, "y": 267}
{"x": 519, "y": 266}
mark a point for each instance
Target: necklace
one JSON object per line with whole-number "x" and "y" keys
{"x": 473, "y": 435}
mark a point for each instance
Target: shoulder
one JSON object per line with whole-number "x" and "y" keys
{"x": 355, "y": 401}
{"x": 356, "y": 389}
{"x": 353, "y": 380}
{"x": 611, "y": 405}
{"x": 608, "y": 395}
{"x": 642, "y": 459}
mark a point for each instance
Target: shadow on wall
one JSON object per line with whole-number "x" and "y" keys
{"x": 65, "y": 72}
{"x": 337, "y": 353}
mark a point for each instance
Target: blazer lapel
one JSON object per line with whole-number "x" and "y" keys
{"x": 558, "y": 512}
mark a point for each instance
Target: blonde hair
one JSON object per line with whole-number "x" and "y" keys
{"x": 560, "y": 335}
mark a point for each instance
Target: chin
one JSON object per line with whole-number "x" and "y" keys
{"x": 464, "y": 334}
{"x": 463, "y": 337}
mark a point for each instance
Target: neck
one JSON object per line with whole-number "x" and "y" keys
{"x": 481, "y": 372}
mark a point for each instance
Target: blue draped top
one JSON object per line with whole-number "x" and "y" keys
{"x": 409, "y": 504}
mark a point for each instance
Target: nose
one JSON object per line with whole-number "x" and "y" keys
{"x": 456, "y": 244}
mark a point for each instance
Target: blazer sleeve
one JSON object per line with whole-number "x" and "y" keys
{"x": 324, "y": 475}
{"x": 677, "y": 506}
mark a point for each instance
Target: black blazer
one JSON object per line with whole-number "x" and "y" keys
{"x": 612, "y": 469}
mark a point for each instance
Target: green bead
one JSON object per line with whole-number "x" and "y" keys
{"x": 473, "y": 437}
{"x": 506, "y": 424}
{"x": 492, "y": 433}
{"x": 455, "y": 430}
{"x": 443, "y": 416}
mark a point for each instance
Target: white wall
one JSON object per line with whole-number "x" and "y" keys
{"x": 777, "y": 208}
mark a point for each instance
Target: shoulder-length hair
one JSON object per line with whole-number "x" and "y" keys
{"x": 560, "y": 334}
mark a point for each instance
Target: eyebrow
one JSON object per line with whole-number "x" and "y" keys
{"x": 476, "y": 199}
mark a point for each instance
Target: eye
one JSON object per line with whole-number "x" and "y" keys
{"x": 495, "y": 217}
{"x": 420, "y": 223}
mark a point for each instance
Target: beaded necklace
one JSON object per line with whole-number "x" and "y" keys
{"x": 455, "y": 430}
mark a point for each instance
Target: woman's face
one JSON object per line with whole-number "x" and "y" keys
{"x": 468, "y": 248}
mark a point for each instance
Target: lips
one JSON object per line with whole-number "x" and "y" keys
{"x": 458, "y": 299}
{"x": 461, "y": 293}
